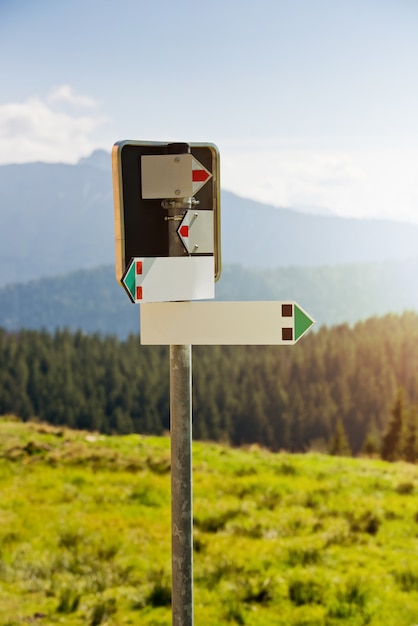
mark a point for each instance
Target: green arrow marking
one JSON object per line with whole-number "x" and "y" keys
{"x": 129, "y": 280}
{"x": 302, "y": 322}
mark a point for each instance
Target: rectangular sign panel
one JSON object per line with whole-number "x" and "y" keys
{"x": 223, "y": 323}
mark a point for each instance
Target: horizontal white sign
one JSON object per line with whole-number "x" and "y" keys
{"x": 223, "y": 323}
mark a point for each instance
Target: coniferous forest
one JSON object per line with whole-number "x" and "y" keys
{"x": 343, "y": 388}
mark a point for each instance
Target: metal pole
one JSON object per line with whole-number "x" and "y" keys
{"x": 181, "y": 484}
{"x": 181, "y": 440}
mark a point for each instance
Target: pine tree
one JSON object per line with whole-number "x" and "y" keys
{"x": 371, "y": 444}
{"x": 339, "y": 444}
{"x": 410, "y": 448}
{"x": 392, "y": 439}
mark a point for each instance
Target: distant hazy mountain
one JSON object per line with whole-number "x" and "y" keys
{"x": 57, "y": 218}
{"x": 258, "y": 235}
{"x": 92, "y": 301}
{"x": 54, "y": 218}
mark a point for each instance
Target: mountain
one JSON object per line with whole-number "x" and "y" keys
{"x": 58, "y": 218}
{"x": 257, "y": 235}
{"x": 92, "y": 300}
{"x": 53, "y": 218}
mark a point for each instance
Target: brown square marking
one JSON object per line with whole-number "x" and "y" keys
{"x": 287, "y": 334}
{"x": 287, "y": 310}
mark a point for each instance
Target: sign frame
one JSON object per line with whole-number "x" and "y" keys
{"x": 129, "y": 204}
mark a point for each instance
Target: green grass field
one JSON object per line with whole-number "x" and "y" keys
{"x": 279, "y": 539}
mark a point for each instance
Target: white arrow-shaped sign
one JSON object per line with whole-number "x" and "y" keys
{"x": 223, "y": 323}
{"x": 200, "y": 175}
{"x": 196, "y": 231}
{"x": 162, "y": 279}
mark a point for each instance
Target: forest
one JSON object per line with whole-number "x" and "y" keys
{"x": 339, "y": 383}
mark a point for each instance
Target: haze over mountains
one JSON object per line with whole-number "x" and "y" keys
{"x": 58, "y": 218}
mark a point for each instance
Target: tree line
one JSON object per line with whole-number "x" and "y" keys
{"x": 339, "y": 382}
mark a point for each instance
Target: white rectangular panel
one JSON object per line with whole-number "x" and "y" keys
{"x": 166, "y": 176}
{"x": 221, "y": 323}
{"x": 165, "y": 279}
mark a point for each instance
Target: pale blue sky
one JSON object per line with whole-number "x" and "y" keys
{"x": 311, "y": 102}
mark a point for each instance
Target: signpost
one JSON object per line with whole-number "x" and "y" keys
{"x": 167, "y": 242}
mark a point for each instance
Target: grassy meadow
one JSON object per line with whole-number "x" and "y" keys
{"x": 279, "y": 539}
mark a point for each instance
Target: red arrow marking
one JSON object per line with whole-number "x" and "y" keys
{"x": 199, "y": 176}
{"x": 184, "y": 231}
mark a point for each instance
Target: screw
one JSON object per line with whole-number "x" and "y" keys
{"x": 177, "y": 159}
{"x": 177, "y": 192}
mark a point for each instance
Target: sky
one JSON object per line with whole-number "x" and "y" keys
{"x": 313, "y": 104}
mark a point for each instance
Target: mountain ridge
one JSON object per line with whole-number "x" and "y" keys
{"x": 57, "y": 218}
{"x": 92, "y": 301}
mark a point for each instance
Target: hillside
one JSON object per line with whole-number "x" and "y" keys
{"x": 91, "y": 300}
{"x": 57, "y": 218}
{"x": 278, "y": 539}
